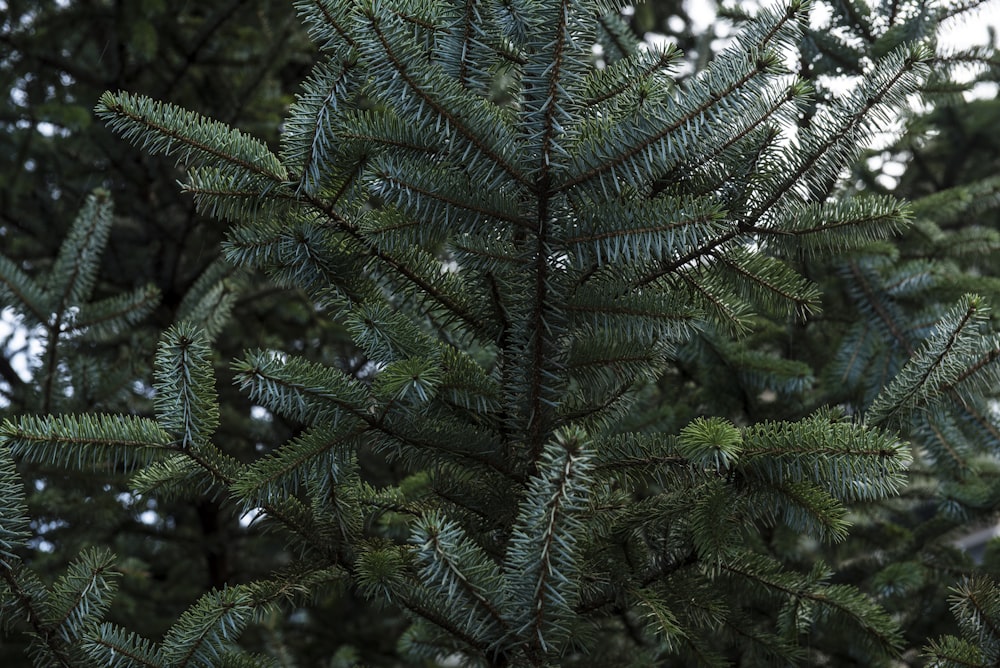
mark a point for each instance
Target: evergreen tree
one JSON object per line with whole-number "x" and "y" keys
{"x": 56, "y": 58}
{"x": 576, "y": 438}
{"x": 908, "y": 550}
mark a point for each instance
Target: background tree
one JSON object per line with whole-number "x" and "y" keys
{"x": 907, "y": 551}
{"x": 237, "y": 61}
{"x": 562, "y": 449}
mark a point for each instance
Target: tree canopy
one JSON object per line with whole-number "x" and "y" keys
{"x": 510, "y": 339}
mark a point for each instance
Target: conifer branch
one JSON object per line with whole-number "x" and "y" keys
{"x": 441, "y": 620}
{"x": 649, "y": 142}
{"x": 831, "y": 228}
{"x": 308, "y": 144}
{"x": 114, "y": 649}
{"x": 19, "y": 290}
{"x": 795, "y": 91}
{"x": 306, "y": 401}
{"x": 467, "y": 39}
{"x": 401, "y": 67}
{"x": 877, "y": 626}
{"x": 28, "y": 604}
{"x": 212, "y": 623}
{"x": 186, "y": 401}
{"x": 458, "y": 564}
{"x": 427, "y": 188}
{"x": 105, "y": 319}
{"x": 286, "y": 470}
{"x": 540, "y": 555}
{"x": 167, "y": 130}
{"x": 98, "y": 441}
{"x": 973, "y": 369}
{"x": 712, "y": 100}
{"x": 83, "y": 594}
{"x": 331, "y": 12}
{"x": 619, "y": 37}
{"x": 875, "y": 300}
{"x": 639, "y": 67}
{"x": 908, "y": 66}
{"x": 538, "y": 343}
{"x": 401, "y": 268}
{"x": 931, "y": 370}
{"x": 74, "y": 272}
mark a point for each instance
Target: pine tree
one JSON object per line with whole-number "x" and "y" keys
{"x": 574, "y": 440}
{"x": 56, "y": 59}
{"x": 906, "y": 551}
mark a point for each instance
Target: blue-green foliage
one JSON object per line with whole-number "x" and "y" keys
{"x": 62, "y": 304}
{"x": 537, "y": 256}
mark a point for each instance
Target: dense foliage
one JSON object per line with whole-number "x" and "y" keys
{"x": 639, "y": 358}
